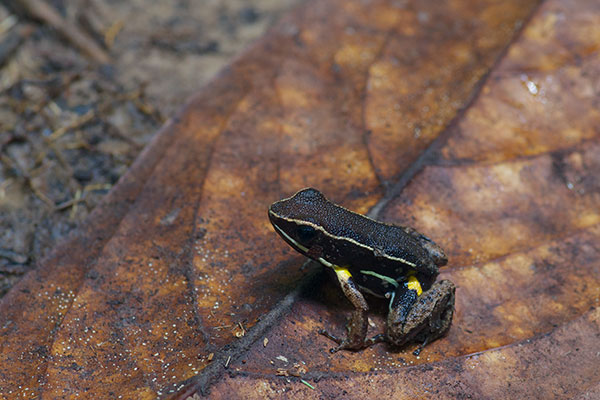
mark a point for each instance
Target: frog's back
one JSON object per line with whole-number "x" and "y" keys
{"x": 382, "y": 240}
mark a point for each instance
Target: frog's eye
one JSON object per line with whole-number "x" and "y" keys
{"x": 306, "y": 233}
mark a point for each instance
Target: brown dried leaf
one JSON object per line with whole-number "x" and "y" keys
{"x": 181, "y": 256}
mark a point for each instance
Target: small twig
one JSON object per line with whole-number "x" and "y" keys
{"x": 13, "y": 39}
{"x": 59, "y": 156}
{"x": 112, "y": 32}
{"x": 39, "y": 193}
{"x": 45, "y": 13}
{"x": 137, "y": 97}
{"x": 26, "y": 176}
{"x": 67, "y": 204}
{"x": 3, "y": 186}
{"x": 222, "y": 327}
{"x": 82, "y": 196}
{"x": 77, "y": 199}
{"x": 7, "y": 23}
{"x": 307, "y": 384}
{"x": 66, "y": 80}
{"x": 77, "y": 122}
{"x": 115, "y": 131}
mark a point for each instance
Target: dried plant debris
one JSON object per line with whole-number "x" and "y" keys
{"x": 83, "y": 88}
{"x": 69, "y": 140}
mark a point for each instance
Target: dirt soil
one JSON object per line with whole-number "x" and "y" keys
{"x": 84, "y": 85}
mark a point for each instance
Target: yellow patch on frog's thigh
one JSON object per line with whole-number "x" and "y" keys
{"x": 413, "y": 284}
{"x": 350, "y": 289}
{"x": 342, "y": 273}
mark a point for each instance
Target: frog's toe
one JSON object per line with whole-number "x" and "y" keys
{"x": 344, "y": 344}
{"x": 375, "y": 339}
{"x": 330, "y": 336}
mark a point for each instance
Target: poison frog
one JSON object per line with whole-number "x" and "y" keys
{"x": 367, "y": 256}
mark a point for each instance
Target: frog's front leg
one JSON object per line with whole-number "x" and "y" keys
{"x": 357, "y": 325}
{"x": 428, "y": 316}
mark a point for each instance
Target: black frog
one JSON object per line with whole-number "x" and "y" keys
{"x": 368, "y": 256}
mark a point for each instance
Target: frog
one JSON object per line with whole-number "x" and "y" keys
{"x": 366, "y": 256}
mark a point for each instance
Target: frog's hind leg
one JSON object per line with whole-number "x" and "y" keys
{"x": 440, "y": 301}
{"x": 428, "y": 319}
{"x": 357, "y": 325}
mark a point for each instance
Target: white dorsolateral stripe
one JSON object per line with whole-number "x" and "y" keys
{"x": 336, "y": 237}
{"x": 288, "y": 237}
{"x": 303, "y": 248}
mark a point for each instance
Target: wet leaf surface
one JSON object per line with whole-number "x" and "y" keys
{"x": 446, "y": 117}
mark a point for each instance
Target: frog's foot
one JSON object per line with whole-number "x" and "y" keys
{"x": 347, "y": 344}
{"x": 375, "y": 339}
{"x": 343, "y": 343}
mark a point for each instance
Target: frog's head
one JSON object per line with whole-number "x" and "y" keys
{"x": 294, "y": 219}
